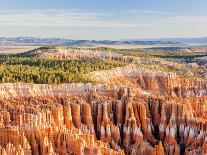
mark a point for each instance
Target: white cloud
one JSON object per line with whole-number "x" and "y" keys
{"x": 101, "y": 25}
{"x": 152, "y": 12}
{"x": 64, "y": 18}
{"x": 188, "y": 19}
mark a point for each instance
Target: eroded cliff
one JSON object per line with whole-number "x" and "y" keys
{"x": 133, "y": 111}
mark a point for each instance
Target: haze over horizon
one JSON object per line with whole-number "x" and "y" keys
{"x": 104, "y": 20}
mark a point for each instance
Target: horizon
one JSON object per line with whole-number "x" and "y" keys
{"x": 104, "y": 20}
{"x": 121, "y": 39}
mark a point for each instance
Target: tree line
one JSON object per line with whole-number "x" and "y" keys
{"x": 47, "y": 71}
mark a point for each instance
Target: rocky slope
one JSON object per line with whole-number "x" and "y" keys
{"x": 70, "y": 53}
{"x": 133, "y": 111}
{"x": 185, "y": 64}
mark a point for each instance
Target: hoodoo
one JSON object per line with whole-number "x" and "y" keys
{"x": 155, "y": 113}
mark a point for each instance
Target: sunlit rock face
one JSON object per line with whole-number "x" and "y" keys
{"x": 135, "y": 112}
{"x": 67, "y": 53}
{"x": 153, "y": 82}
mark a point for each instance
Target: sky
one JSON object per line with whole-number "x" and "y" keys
{"x": 103, "y": 19}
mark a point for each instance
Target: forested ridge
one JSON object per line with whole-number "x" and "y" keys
{"x": 32, "y": 68}
{"x": 148, "y": 53}
{"x": 47, "y": 71}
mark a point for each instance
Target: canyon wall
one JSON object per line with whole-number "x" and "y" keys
{"x": 149, "y": 81}
{"x": 26, "y": 90}
{"x": 79, "y": 54}
{"x": 130, "y": 125}
{"x": 134, "y": 111}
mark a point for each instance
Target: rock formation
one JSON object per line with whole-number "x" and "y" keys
{"x": 69, "y": 53}
{"x": 135, "y": 112}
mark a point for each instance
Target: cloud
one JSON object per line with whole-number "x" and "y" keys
{"x": 150, "y": 12}
{"x": 86, "y": 24}
{"x": 62, "y": 18}
{"x": 188, "y": 19}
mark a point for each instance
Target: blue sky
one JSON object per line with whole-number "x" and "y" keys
{"x": 103, "y": 19}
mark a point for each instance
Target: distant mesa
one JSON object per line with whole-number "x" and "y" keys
{"x": 69, "y": 42}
